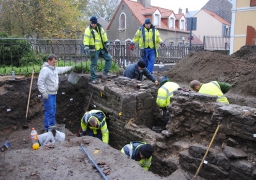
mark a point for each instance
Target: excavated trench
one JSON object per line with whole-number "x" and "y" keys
{"x": 132, "y": 114}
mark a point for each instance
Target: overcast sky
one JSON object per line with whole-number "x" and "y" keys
{"x": 192, "y": 5}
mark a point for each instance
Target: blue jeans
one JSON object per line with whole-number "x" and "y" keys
{"x": 94, "y": 55}
{"x": 49, "y": 111}
{"x": 149, "y": 58}
{"x": 98, "y": 135}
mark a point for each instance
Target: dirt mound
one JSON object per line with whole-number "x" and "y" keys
{"x": 246, "y": 52}
{"x": 208, "y": 66}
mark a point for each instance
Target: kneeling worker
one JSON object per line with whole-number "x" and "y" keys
{"x": 137, "y": 70}
{"x": 96, "y": 121}
{"x": 139, "y": 151}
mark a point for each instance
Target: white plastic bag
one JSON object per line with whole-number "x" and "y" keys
{"x": 46, "y": 138}
{"x": 60, "y": 136}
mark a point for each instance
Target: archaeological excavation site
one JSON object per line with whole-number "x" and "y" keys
{"x": 196, "y": 124}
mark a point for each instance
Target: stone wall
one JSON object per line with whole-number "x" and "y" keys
{"x": 132, "y": 113}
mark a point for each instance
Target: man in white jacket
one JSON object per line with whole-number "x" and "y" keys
{"x": 48, "y": 84}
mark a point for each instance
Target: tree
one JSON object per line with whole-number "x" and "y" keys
{"x": 102, "y": 8}
{"x": 42, "y": 18}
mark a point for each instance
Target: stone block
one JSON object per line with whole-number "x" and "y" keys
{"x": 222, "y": 161}
{"x": 234, "y": 153}
{"x": 242, "y": 166}
{"x": 234, "y": 175}
{"x": 198, "y": 151}
{"x": 185, "y": 156}
{"x": 161, "y": 145}
{"x": 254, "y": 174}
{"x": 214, "y": 169}
{"x": 148, "y": 103}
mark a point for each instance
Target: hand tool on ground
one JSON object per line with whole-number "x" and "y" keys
{"x": 25, "y": 125}
{"x": 102, "y": 174}
{"x": 216, "y": 131}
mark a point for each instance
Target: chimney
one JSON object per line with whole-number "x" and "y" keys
{"x": 145, "y": 3}
{"x": 180, "y": 11}
{"x": 186, "y": 10}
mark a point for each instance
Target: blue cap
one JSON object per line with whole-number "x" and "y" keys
{"x": 147, "y": 21}
{"x": 93, "y": 20}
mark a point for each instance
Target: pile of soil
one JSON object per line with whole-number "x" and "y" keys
{"x": 208, "y": 66}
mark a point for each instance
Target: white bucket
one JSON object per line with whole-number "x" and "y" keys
{"x": 73, "y": 78}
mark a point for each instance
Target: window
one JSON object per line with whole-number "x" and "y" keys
{"x": 122, "y": 21}
{"x": 122, "y": 7}
{"x": 253, "y": 3}
{"x": 171, "y": 23}
{"x": 182, "y": 25}
{"x": 225, "y": 30}
{"x": 157, "y": 20}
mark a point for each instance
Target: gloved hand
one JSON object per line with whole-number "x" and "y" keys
{"x": 162, "y": 44}
{"x": 132, "y": 46}
{"x": 83, "y": 133}
{"x": 86, "y": 49}
{"x": 107, "y": 45}
{"x": 156, "y": 83}
{"x": 45, "y": 95}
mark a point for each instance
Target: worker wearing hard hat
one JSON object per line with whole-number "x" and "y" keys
{"x": 214, "y": 88}
{"x": 165, "y": 92}
{"x": 139, "y": 151}
{"x": 94, "y": 124}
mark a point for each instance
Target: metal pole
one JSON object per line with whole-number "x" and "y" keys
{"x": 102, "y": 174}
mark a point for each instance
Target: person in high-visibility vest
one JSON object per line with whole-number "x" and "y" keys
{"x": 139, "y": 151}
{"x": 165, "y": 92}
{"x": 94, "y": 124}
{"x": 149, "y": 39}
{"x": 96, "y": 45}
{"x": 215, "y": 88}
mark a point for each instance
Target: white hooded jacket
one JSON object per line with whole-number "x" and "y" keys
{"x": 48, "y": 80}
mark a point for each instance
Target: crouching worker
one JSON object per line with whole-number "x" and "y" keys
{"x": 94, "y": 124}
{"x": 139, "y": 151}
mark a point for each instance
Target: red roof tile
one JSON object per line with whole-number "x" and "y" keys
{"x": 140, "y": 13}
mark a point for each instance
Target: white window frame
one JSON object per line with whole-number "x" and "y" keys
{"x": 119, "y": 22}
{"x": 157, "y": 18}
{"x": 171, "y": 21}
{"x": 182, "y": 23}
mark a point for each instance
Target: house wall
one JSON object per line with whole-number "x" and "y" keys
{"x": 132, "y": 25}
{"x": 243, "y": 16}
{"x": 207, "y": 25}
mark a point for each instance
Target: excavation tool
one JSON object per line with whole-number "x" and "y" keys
{"x": 102, "y": 174}
{"x": 216, "y": 131}
{"x": 25, "y": 125}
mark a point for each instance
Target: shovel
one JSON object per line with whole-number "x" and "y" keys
{"x": 25, "y": 125}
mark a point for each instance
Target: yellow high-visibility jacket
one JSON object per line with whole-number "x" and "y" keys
{"x": 92, "y": 37}
{"x": 165, "y": 92}
{"x": 149, "y": 40}
{"x": 130, "y": 151}
{"x": 213, "y": 88}
{"x": 102, "y": 125}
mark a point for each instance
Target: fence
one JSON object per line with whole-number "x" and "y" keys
{"x": 216, "y": 43}
{"x": 12, "y": 51}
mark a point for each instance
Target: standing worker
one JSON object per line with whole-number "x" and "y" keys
{"x": 214, "y": 88}
{"x": 139, "y": 151}
{"x": 96, "y": 121}
{"x": 148, "y": 38}
{"x": 48, "y": 84}
{"x": 137, "y": 70}
{"x": 96, "y": 45}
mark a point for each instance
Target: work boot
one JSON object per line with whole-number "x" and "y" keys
{"x": 95, "y": 81}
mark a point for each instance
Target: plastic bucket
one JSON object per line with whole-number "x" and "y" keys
{"x": 73, "y": 78}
